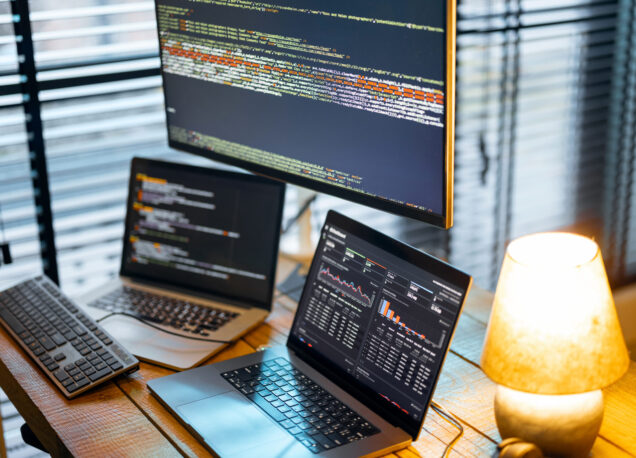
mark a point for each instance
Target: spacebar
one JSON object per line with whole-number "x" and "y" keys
{"x": 267, "y": 407}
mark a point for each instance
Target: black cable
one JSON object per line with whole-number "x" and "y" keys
{"x": 303, "y": 208}
{"x": 449, "y": 417}
{"x": 2, "y": 225}
{"x": 147, "y": 323}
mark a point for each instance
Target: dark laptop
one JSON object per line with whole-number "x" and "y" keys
{"x": 357, "y": 375}
{"x": 198, "y": 263}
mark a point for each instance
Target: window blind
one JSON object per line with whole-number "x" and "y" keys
{"x": 17, "y": 211}
{"x": 536, "y": 91}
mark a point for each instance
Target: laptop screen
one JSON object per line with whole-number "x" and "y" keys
{"x": 381, "y": 315}
{"x": 204, "y": 229}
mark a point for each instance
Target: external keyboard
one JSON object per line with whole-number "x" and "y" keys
{"x": 70, "y": 347}
{"x": 314, "y": 417}
{"x": 179, "y": 314}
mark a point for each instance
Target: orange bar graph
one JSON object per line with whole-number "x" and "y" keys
{"x": 397, "y": 319}
{"x": 391, "y": 315}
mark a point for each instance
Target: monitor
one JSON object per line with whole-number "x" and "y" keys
{"x": 353, "y": 99}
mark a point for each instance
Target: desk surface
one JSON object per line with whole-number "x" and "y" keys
{"x": 122, "y": 418}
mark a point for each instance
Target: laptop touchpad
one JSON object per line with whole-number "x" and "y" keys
{"x": 231, "y": 425}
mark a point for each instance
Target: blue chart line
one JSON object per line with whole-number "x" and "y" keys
{"x": 350, "y": 285}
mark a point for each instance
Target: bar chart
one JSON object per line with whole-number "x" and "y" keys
{"x": 387, "y": 310}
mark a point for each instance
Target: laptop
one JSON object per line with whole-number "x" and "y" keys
{"x": 356, "y": 377}
{"x": 198, "y": 263}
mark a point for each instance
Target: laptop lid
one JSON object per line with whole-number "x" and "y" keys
{"x": 377, "y": 316}
{"x": 209, "y": 231}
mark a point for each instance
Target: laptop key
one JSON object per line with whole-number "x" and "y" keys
{"x": 323, "y": 441}
{"x": 263, "y": 404}
{"x": 287, "y": 424}
{"x": 336, "y": 439}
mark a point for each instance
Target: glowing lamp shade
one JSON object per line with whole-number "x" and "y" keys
{"x": 553, "y": 331}
{"x": 554, "y": 328}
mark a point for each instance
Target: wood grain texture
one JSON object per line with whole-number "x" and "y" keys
{"x": 619, "y": 421}
{"x": 479, "y": 303}
{"x": 603, "y": 448}
{"x": 101, "y": 422}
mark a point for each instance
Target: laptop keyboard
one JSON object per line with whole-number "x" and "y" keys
{"x": 314, "y": 417}
{"x": 181, "y": 315}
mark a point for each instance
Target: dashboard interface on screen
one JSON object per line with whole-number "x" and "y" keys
{"x": 379, "y": 318}
{"x": 349, "y": 98}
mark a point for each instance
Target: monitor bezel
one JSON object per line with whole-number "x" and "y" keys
{"x": 370, "y": 398}
{"x": 444, "y": 220}
{"x": 278, "y": 186}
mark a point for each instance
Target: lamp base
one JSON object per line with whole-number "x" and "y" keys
{"x": 561, "y": 425}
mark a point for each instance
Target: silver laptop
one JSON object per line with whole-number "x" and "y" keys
{"x": 356, "y": 377}
{"x": 198, "y": 262}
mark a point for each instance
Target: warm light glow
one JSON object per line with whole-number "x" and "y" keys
{"x": 553, "y": 328}
{"x": 553, "y": 250}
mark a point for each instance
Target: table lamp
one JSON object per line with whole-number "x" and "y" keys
{"x": 553, "y": 341}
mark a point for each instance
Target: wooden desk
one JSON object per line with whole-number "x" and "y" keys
{"x": 122, "y": 418}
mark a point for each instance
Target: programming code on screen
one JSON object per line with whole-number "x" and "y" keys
{"x": 345, "y": 93}
{"x": 197, "y": 230}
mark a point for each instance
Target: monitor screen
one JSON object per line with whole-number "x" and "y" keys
{"x": 380, "y": 313}
{"x": 209, "y": 230}
{"x": 349, "y": 98}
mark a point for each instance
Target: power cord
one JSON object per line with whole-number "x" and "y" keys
{"x": 147, "y": 323}
{"x": 450, "y": 418}
{"x": 303, "y": 208}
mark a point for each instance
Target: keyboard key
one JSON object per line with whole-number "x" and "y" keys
{"x": 89, "y": 371}
{"x": 58, "y": 339}
{"x": 100, "y": 373}
{"x": 116, "y": 365}
{"x": 60, "y": 375}
{"x": 71, "y": 387}
{"x": 59, "y": 357}
{"x": 287, "y": 424}
{"x": 12, "y": 321}
{"x": 263, "y": 404}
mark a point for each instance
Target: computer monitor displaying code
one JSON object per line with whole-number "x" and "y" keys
{"x": 349, "y": 98}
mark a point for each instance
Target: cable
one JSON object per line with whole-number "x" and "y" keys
{"x": 450, "y": 418}
{"x": 303, "y": 208}
{"x": 2, "y": 225}
{"x": 147, "y": 323}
